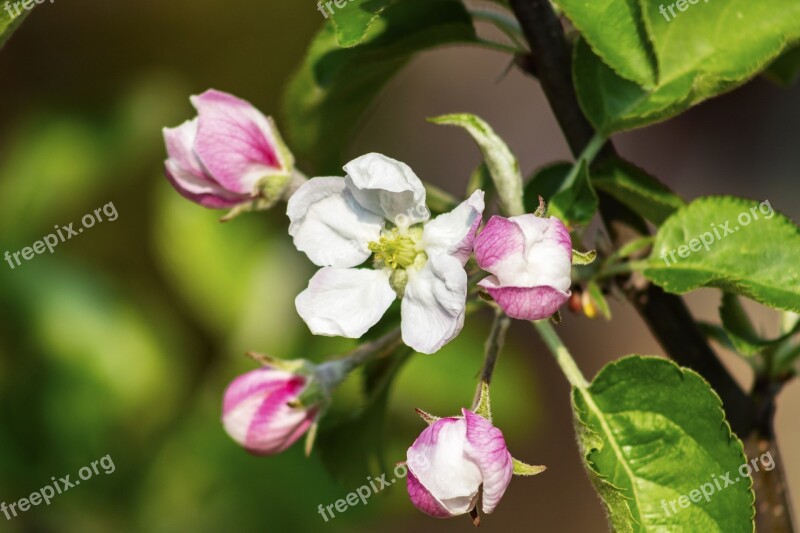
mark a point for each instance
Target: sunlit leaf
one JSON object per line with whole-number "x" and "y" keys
{"x": 654, "y": 435}
{"x": 737, "y": 245}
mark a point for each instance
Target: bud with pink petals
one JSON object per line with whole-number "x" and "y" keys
{"x": 453, "y": 461}
{"x": 260, "y": 410}
{"x": 531, "y": 261}
{"x": 229, "y": 155}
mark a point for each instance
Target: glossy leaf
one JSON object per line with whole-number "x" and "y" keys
{"x": 705, "y": 49}
{"x": 614, "y": 28}
{"x": 733, "y": 244}
{"x": 654, "y": 435}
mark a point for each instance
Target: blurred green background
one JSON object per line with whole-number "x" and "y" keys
{"x": 123, "y": 340}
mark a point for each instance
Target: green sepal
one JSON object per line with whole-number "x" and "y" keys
{"x": 583, "y": 258}
{"x": 524, "y": 469}
{"x": 484, "y": 406}
{"x": 427, "y": 417}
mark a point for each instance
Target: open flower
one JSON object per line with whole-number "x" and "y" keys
{"x": 256, "y": 410}
{"x": 228, "y": 155}
{"x": 452, "y": 460}
{"x": 378, "y": 210}
{"x": 531, "y": 259}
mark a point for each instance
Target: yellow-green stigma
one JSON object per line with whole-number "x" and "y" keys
{"x": 394, "y": 250}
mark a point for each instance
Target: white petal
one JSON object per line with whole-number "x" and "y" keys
{"x": 453, "y": 233}
{"x": 388, "y": 188}
{"x": 441, "y": 465}
{"x": 329, "y": 225}
{"x": 345, "y": 302}
{"x": 432, "y": 311}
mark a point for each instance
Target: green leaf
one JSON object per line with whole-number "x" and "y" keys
{"x": 786, "y": 68}
{"x": 652, "y": 433}
{"x": 354, "y": 20}
{"x": 576, "y": 201}
{"x": 614, "y": 29}
{"x": 710, "y": 48}
{"x": 9, "y": 22}
{"x": 635, "y": 188}
{"x": 499, "y": 159}
{"x": 333, "y": 87}
{"x": 569, "y": 194}
{"x": 733, "y": 244}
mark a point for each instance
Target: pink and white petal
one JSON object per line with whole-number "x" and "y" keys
{"x": 388, "y": 188}
{"x": 423, "y": 500}
{"x": 432, "y": 310}
{"x": 487, "y": 447}
{"x": 329, "y": 225}
{"x": 548, "y": 252}
{"x": 260, "y": 381}
{"x": 180, "y": 149}
{"x": 275, "y": 425}
{"x": 526, "y": 251}
{"x": 450, "y": 478}
{"x": 525, "y": 303}
{"x": 205, "y": 193}
{"x": 255, "y": 413}
{"x": 345, "y": 302}
{"x": 499, "y": 241}
{"x": 242, "y": 399}
{"x": 550, "y": 231}
{"x": 235, "y": 142}
{"x": 453, "y": 233}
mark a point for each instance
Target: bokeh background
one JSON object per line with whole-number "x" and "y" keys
{"x": 122, "y": 341}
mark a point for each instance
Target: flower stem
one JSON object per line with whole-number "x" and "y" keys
{"x": 562, "y": 355}
{"x": 494, "y": 345}
{"x": 587, "y": 155}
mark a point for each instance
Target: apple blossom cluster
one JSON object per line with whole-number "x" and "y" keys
{"x": 373, "y": 237}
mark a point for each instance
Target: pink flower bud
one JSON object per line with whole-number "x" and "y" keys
{"x": 227, "y": 154}
{"x": 452, "y": 459}
{"x": 256, "y": 414}
{"x": 531, "y": 259}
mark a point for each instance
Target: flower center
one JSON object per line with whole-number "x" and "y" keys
{"x": 396, "y": 249}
